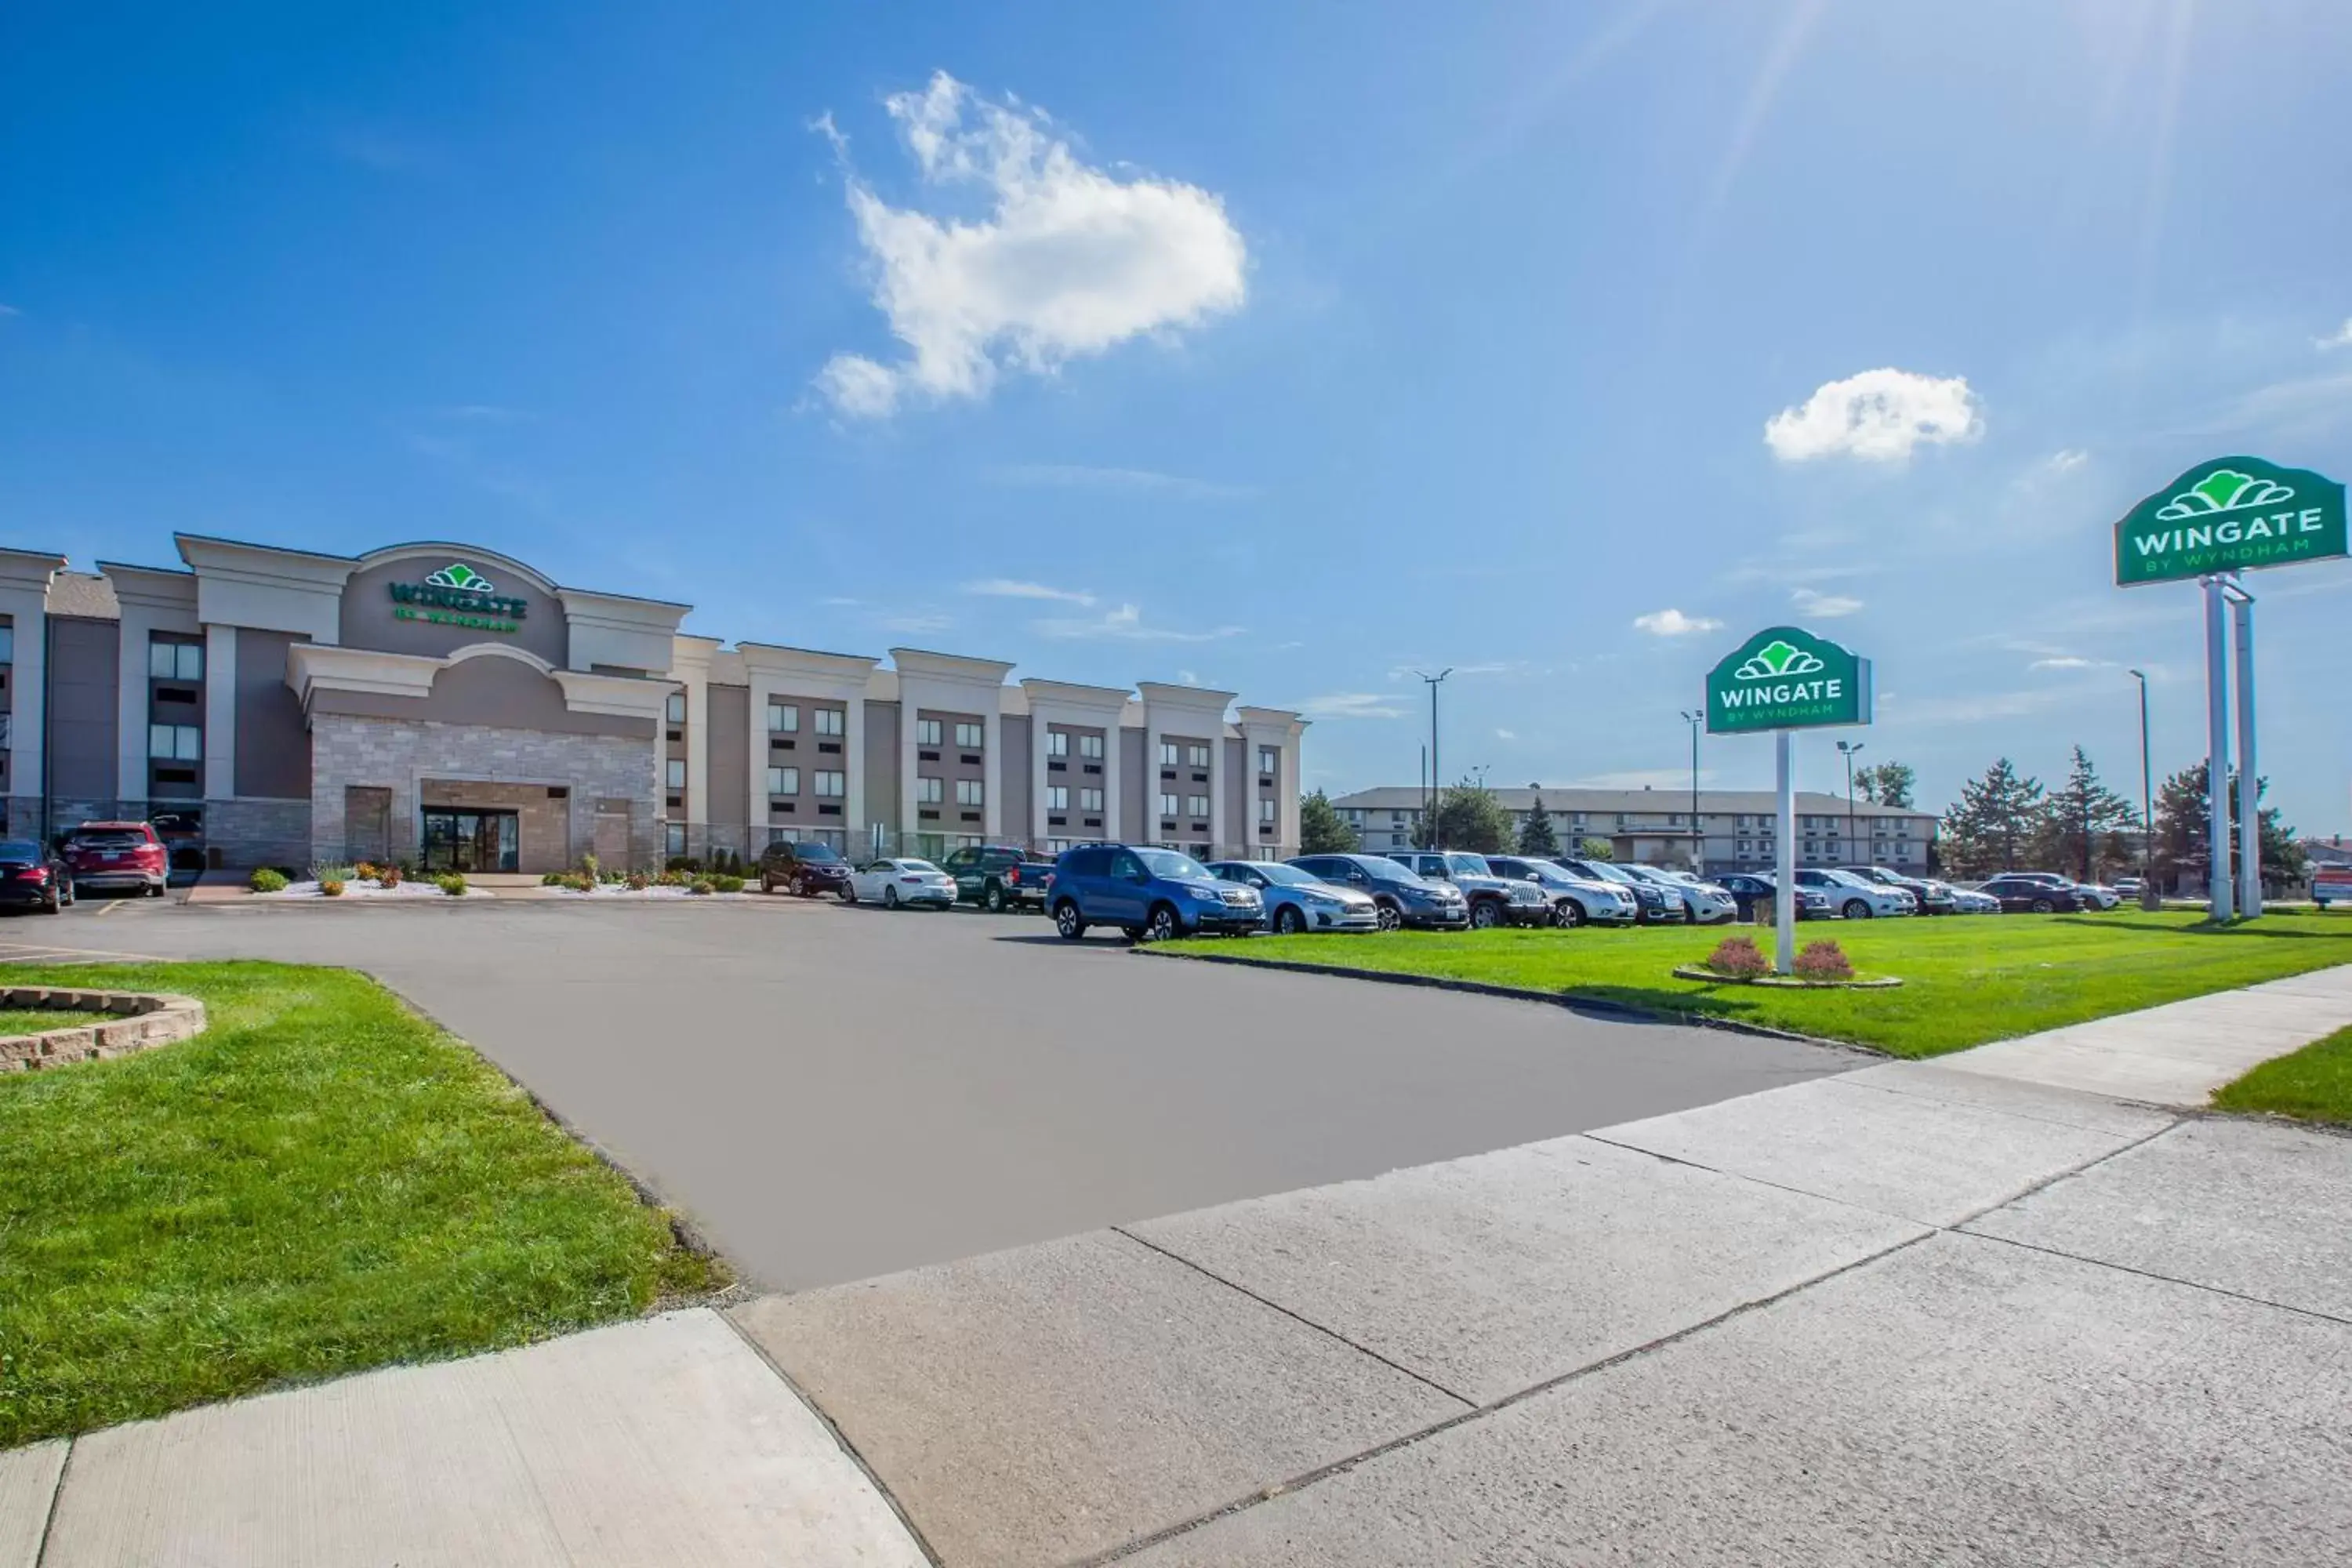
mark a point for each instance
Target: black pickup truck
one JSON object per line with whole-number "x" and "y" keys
{"x": 1000, "y": 877}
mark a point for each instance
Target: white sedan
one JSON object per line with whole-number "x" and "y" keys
{"x": 894, "y": 882}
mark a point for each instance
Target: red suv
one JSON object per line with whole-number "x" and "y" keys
{"x": 115, "y": 855}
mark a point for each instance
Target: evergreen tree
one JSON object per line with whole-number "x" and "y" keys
{"x": 1994, "y": 820}
{"x": 1535, "y": 836}
{"x": 1321, "y": 829}
{"x": 1888, "y": 784}
{"x": 2084, "y": 822}
{"x": 2181, "y": 848}
{"x": 1597, "y": 849}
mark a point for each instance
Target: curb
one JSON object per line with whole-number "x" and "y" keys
{"x": 1568, "y": 999}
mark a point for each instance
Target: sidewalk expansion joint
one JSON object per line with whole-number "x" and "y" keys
{"x": 2312, "y": 1312}
{"x": 841, "y": 1440}
{"x": 56, "y": 1496}
{"x": 1379, "y": 1450}
{"x": 1210, "y": 1274}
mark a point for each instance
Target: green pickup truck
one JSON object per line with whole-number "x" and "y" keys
{"x": 999, "y": 876}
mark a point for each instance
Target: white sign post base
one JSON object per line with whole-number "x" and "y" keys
{"x": 1784, "y": 881}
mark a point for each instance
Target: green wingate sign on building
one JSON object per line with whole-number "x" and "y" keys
{"x": 1785, "y": 678}
{"x": 2228, "y": 514}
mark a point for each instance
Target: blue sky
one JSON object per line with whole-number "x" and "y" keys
{"x": 1290, "y": 347}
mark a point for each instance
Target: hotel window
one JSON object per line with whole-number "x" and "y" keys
{"x": 1266, "y": 759}
{"x": 677, "y": 772}
{"x": 1055, "y": 846}
{"x": 926, "y": 731}
{"x": 831, "y": 784}
{"x": 1266, "y": 809}
{"x": 1167, "y": 753}
{"x": 676, "y": 709}
{"x": 828, "y": 722}
{"x": 929, "y": 791}
{"x": 674, "y": 838}
{"x": 7, "y": 643}
{"x": 1090, "y": 800}
{"x": 968, "y": 736}
{"x": 783, "y": 719}
{"x": 175, "y": 742}
{"x": 1090, "y": 746}
{"x": 1057, "y": 798}
{"x": 1197, "y": 756}
{"x": 1167, "y": 805}
{"x": 968, "y": 791}
{"x": 175, "y": 660}
{"x": 1198, "y": 805}
{"x": 1057, "y": 742}
{"x": 783, "y": 781}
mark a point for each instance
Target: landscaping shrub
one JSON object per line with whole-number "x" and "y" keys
{"x": 387, "y": 876}
{"x": 727, "y": 884}
{"x": 452, "y": 883}
{"x": 638, "y": 881}
{"x": 588, "y": 868}
{"x": 1739, "y": 958}
{"x": 332, "y": 887}
{"x": 266, "y": 881}
{"x": 1823, "y": 960}
{"x": 701, "y": 885}
{"x": 364, "y": 871}
{"x": 554, "y": 878}
{"x": 682, "y": 863}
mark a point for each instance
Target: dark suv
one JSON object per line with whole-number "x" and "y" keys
{"x": 807, "y": 870}
{"x": 1400, "y": 896}
{"x": 2029, "y": 895}
{"x": 997, "y": 877}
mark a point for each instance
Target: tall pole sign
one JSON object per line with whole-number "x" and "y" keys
{"x": 1783, "y": 679}
{"x": 2225, "y": 516}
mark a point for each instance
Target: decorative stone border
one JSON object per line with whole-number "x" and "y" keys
{"x": 142, "y": 1019}
{"x": 1784, "y": 982}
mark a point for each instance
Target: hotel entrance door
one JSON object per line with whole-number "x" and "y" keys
{"x": 471, "y": 839}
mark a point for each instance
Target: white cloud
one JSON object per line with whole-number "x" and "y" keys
{"x": 1069, "y": 260}
{"x": 1076, "y": 476}
{"x": 2065, "y": 460}
{"x": 1355, "y": 705}
{"x": 1506, "y": 734}
{"x": 1674, "y": 624}
{"x": 1824, "y": 607}
{"x": 1013, "y": 588}
{"x": 1878, "y": 416}
{"x": 1124, "y": 624}
{"x": 2341, "y": 338}
{"x": 2071, "y": 661}
{"x": 1186, "y": 678}
{"x": 914, "y": 626}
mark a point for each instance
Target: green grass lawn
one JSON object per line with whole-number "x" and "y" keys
{"x": 319, "y": 1183}
{"x": 2313, "y": 1084}
{"x": 1967, "y": 979}
{"x": 36, "y": 1020}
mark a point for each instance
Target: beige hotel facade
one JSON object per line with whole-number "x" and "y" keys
{"x": 450, "y": 705}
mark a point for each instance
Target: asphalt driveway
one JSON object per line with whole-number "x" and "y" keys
{"x": 835, "y": 1093}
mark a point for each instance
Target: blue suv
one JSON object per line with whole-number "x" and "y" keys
{"x": 1150, "y": 894}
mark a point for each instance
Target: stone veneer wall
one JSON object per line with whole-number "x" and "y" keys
{"x": 395, "y": 753}
{"x": 255, "y": 832}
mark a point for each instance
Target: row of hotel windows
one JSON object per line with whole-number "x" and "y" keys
{"x": 1057, "y": 745}
{"x": 929, "y": 791}
{"x": 1057, "y": 798}
{"x": 1898, "y": 827}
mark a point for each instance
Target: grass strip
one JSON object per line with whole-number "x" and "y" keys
{"x": 319, "y": 1183}
{"x": 2313, "y": 1084}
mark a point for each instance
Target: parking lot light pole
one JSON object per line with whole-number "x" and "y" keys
{"x": 2147, "y": 798}
{"x": 1847, "y": 749}
{"x": 1695, "y": 718}
{"x": 1434, "y": 786}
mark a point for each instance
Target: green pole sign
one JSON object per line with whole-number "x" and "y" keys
{"x": 1785, "y": 678}
{"x": 2228, "y": 514}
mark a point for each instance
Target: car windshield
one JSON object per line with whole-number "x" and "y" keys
{"x": 1289, "y": 876}
{"x": 922, "y": 866}
{"x": 816, "y": 853}
{"x": 116, "y": 840}
{"x": 1169, "y": 864}
{"x": 1608, "y": 873}
{"x": 1390, "y": 871}
{"x": 19, "y": 849}
{"x": 1469, "y": 865}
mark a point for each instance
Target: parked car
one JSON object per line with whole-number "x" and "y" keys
{"x": 2096, "y": 896}
{"x": 808, "y": 869}
{"x": 1150, "y": 894}
{"x": 1749, "y": 890}
{"x": 1575, "y": 900}
{"x": 1857, "y": 898}
{"x": 1298, "y": 900}
{"x": 1934, "y": 898}
{"x": 999, "y": 876}
{"x": 32, "y": 875}
{"x": 2030, "y": 895}
{"x": 893, "y": 882}
{"x": 115, "y": 855}
{"x": 1402, "y": 898}
{"x": 1704, "y": 903}
{"x": 1493, "y": 900}
{"x": 1972, "y": 901}
{"x": 1653, "y": 906}
{"x": 2129, "y": 886}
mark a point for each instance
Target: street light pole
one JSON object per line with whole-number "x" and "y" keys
{"x": 1435, "y": 787}
{"x": 1695, "y": 718}
{"x": 1848, "y": 748}
{"x": 2147, "y": 798}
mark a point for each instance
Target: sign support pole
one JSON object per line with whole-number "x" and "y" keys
{"x": 2250, "y": 819}
{"x": 1784, "y": 856}
{"x": 2217, "y": 750}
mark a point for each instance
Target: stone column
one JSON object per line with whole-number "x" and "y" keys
{"x": 852, "y": 768}
{"x": 1114, "y": 809}
{"x": 131, "y": 705}
{"x": 1040, "y": 733}
{"x": 992, "y": 768}
{"x": 220, "y": 711}
{"x": 698, "y": 748}
{"x": 1219, "y": 844}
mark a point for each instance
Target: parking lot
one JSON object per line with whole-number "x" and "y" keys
{"x": 835, "y": 1092}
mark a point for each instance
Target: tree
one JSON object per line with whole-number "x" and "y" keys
{"x": 1321, "y": 829}
{"x": 1888, "y": 784}
{"x": 2182, "y": 853}
{"x": 1470, "y": 817}
{"x": 1535, "y": 836}
{"x": 1995, "y": 816}
{"x": 1598, "y": 849}
{"x": 2084, "y": 823}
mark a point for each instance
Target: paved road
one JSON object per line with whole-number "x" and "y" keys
{"x": 836, "y": 1093}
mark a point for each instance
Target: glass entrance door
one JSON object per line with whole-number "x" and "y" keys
{"x": 471, "y": 839}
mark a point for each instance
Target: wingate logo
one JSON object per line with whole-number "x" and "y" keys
{"x": 1787, "y": 679}
{"x": 458, "y": 596}
{"x": 2228, "y": 514}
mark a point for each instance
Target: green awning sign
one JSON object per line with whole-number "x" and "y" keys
{"x": 1785, "y": 678}
{"x": 2227, "y": 515}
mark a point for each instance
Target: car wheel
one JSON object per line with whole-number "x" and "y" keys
{"x": 849, "y": 892}
{"x": 1288, "y": 921}
{"x": 1568, "y": 912}
{"x": 2043, "y": 905}
{"x": 993, "y": 901}
{"x": 1855, "y": 909}
{"x": 54, "y": 904}
{"x": 1386, "y": 913}
{"x": 1484, "y": 915}
{"x": 1067, "y": 921}
{"x": 890, "y": 898}
{"x": 1162, "y": 926}
{"x": 155, "y": 890}
{"x": 800, "y": 887}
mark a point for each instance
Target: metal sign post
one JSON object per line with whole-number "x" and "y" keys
{"x": 2250, "y": 804}
{"x": 1783, "y": 679}
{"x": 2217, "y": 750}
